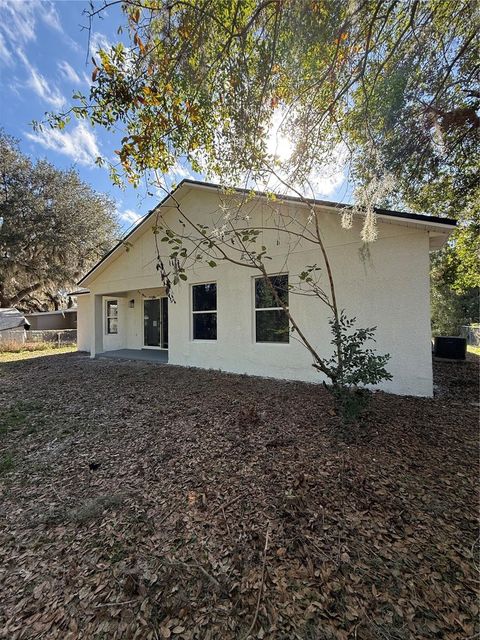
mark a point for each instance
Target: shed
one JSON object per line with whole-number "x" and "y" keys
{"x": 12, "y": 325}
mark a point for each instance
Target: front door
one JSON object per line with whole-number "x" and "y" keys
{"x": 155, "y": 323}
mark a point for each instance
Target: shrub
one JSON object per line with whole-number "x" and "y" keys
{"x": 353, "y": 366}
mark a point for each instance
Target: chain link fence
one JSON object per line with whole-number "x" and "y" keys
{"x": 472, "y": 334}
{"x": 55, "y": 336}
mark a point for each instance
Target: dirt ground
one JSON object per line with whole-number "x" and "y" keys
{"x": 150, "y": 501}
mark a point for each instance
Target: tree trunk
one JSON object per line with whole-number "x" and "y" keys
{"x": 20, "y": 295}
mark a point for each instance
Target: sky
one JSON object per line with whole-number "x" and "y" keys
{"x": 44, "y": 58}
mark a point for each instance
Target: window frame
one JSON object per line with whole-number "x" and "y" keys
{"x": 193, "y": 313}
{"x": 255, "y": 309}
{"x": 109, "y": 317}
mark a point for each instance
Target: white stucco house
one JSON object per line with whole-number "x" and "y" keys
{"x": 218, "y": 319}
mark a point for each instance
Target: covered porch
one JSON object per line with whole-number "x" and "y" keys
{"x": 130, "y": 324}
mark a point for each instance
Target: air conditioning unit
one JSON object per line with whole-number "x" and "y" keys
{"x": 450, "y": 347}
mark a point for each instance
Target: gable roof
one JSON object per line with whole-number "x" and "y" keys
{"x": 445, "y": 225}
{"x": 11, "y": 318}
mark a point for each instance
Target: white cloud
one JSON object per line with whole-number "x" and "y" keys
{"x": 78, "y": 143}
{"x": 5, "y": 54}
{"x": 44, "y": 89}
{"x": 49, "y": 15}
{"x": 18, "y": 25}
{"x": 98, "y": 41}
{"x": 128, "y": 215}
{"x": 180, "y": 171}
{"x": 18, "y": 20}
{"x": 68, "y": 72}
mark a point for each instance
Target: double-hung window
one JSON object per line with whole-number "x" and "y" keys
{"x": 271, "y": 321}
{"x": 111, "y": 316}
{"x": 204, "y": 311}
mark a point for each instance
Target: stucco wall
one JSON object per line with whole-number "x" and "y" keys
{"x": 388, "y": 288}
{"x": 84, "y": 310}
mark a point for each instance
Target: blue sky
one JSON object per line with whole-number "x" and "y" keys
{"x": 44, "y": 58}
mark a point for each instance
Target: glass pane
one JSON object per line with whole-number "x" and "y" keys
{"x": 271, "y": 326}
{"x": 204, "y": 326}
{"x": 151, "y": 323}
{"x": 264, "y": 297}
{"x": 112, "y": 308}
{"x": 112, "y": 325}
{"x": 164, "y": 306}
{"x": 205, "y": 297}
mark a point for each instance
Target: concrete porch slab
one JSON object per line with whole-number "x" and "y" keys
{"x": 148, "y": 355}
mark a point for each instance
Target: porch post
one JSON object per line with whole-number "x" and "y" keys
{"x": 96, "y": 326}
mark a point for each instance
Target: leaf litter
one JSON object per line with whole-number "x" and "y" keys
{"x": 147, "y": 501}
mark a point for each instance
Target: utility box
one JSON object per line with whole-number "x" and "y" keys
{"x": 450, "y": 347}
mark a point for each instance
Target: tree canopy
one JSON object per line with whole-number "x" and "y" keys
{"x": 53, "y": 227}
{"x": 395, "y": 83}
{"x": 393, "y": 86}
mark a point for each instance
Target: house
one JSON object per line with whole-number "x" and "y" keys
{"x": 12, "y": 325}
{"x": 216, "y": 320}
{"x": 53, "y": 320}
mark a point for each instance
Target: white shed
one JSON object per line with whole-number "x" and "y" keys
{"x": 12, "y": 325}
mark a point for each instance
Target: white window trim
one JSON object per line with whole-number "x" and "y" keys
{"x": 255, "y": 309}
{"x": 107, "y": 317}
{"x": 199, "y": 284}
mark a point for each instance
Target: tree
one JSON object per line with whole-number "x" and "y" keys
{"x": 394, "y": 85}
{"x": 53, "y": 227}
{"x": 455, "y": 281}
{"x": 390, "y": 84}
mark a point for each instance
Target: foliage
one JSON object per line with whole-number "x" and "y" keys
{"x": 53, "y": 227}
{"x": 7, "y": 462}
{"x": 455, "y": 282}
{"x": 394, "y": 83}
{"x": 457, "y": 264}
{"x": 452, "y": 310}
{"x": 353, "y": 366}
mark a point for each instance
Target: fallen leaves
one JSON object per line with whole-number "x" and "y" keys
{"x": 370, "y": 538}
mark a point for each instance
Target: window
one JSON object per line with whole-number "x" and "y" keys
{"x": 271, "y": 322}
{"x": 112, "y": 316}
{"x": 204, "y": 311}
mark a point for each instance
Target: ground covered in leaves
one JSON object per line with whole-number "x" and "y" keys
{"x": 149, "y": 501}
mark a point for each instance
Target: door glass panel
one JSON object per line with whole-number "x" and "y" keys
{"x": 151, "y": 323}
{"x": 164, "y": 304}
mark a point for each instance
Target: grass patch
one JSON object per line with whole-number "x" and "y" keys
{"x": 6, "y": 463}
{"x": 26, "y": 354}
{"x": 474, "y": 350}
{"x": 16, "y": 416}
{"x": 91, "y": 509}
